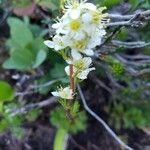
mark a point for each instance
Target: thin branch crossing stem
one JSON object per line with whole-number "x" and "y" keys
{"x": 111, "y": 132}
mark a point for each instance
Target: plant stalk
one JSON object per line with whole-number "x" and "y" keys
{"x": 72, "y": 82}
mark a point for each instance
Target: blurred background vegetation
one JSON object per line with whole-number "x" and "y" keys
{"x": 29, "y": 71}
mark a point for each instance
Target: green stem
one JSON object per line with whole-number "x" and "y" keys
{"x": 60, "y": 139}
{"x": 1, "y": 107}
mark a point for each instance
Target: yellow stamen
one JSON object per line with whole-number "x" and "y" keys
{"x": 80, "y": 45}
{"x": 75, "y": 25}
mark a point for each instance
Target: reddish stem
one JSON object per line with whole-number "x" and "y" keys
{"x": 72, "y": 84}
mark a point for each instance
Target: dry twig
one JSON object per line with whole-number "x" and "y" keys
{"x": 123, "y": 145}
{"x": 30, "y": 107}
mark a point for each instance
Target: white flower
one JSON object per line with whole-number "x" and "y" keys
{"x": 82, "y": 46}
{"x": 89, "y": 6}
{"x": 96, "y": 38}
{"x": 81, "y": 28}
{"x": 57, "y": 43}
{"x": 65, "y": 93}
{"x": 74, "y": 29}
{"x": 73, "y": 9}
{"x": 80, "y": 67}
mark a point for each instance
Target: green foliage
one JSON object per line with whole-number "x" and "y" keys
{"x": 9, "y": 122}
{"x": 122, "y": 35}
{"x": 32, "y": 115}
{"x": 116, "y": 116}
{"x": 14, "y": 123}
{"x": 140, "y": 4}
{"x": 134, "y": 3}
{"x": 20, "y": 33}
{"x": 60, "y": 118}
{"x": 17, "y": 132}
{"x": 109, "y": 3}
{"x": 134, "y": 118}
{"x": 55, "y": 76}
{"x": 6, "y": 92}
{"x": 128, "y": 116}
{"x": 58, "y": 71}
{"x": 20, "y": 3}
{"x": 131, "y": 94}
{"x": 117, "y": 69}
{"x": 26, "y": 52}
{"x": 52, "y": 4}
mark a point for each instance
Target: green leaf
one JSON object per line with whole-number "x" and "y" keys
{"x": 59, "y": 119}
{"x": 59, "y": 142}
{"x": 21, "y": 3}
{"x": 6, "y": 92}
{"x": 20, "y": 33}
{"x": 52, "y": 4}
{"x": 1, "y": 106}
{"x": 3, "y": 125}
{"x": 31, "y": 116}
{"x": 28, "y": 57}
{"x": 58, "y": 71}
{"x": 134, "y": 3}
{"x": 41, "y": 56}
{"x": 20, "y": 59}
{"x": 109, "y": 3}
{"x": 17, "y": 132}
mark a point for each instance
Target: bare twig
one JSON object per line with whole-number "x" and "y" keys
{"x": 132, "y": 63}
{"x": 124, "y": 23}
{"x": 130, "y": 45}
{"x": 102, "y": 122}
{"x": 24, "y": 93}
{"x": 129, "y": 66}
{"x": 44, "y": 85}
{"x": 134, "y": 20}
{"x": 6, "y": 14}
{"x": 138, "y": 56}
{"x": 30, "y": 107}
{"x": 137, "y": 73}
{"x": 127, "y": 17}
{"x": 32, "y": 87}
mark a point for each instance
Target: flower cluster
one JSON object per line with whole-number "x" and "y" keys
{"x": 79, "y": 31}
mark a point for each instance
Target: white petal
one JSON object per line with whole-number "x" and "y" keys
{"x": 67, "y": 70}
{"x": 75, "y": 55}
{"x": 83, "y": 74}
{"x": 86, "y": 18}
{"x": 69, "y": 61}
{"x": 57, "y": 47}
{"x": 89, "y": 52}
{"x": 49, "y": 43}
{"x": 79, "y": 35}
{"x": 68, "y": 90}
{"x": 56, "y": 25}
{"x": 55, "y": 93}
{"x": 75, "y": 13}
{"x": 66, "y": 93}
{"x": 89, "y": 6}
{"x": 87, "y": 61}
